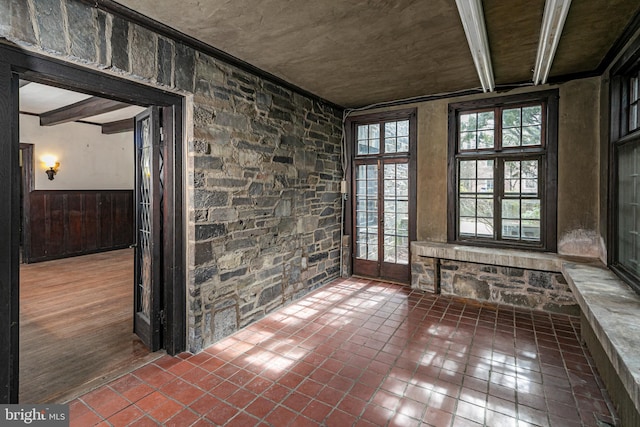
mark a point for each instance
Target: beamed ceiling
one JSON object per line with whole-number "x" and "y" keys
{"x": 359, "y": 52}
{"x": 55, "y": 106}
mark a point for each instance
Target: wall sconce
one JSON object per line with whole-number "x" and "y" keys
{"x": 52, "y": 165}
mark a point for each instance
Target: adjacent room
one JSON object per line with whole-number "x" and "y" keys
{"x": 77, "y": 239}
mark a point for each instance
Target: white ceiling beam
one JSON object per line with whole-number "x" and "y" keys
{"x": 472, "y": 17}
{"x": 555, "y": 14}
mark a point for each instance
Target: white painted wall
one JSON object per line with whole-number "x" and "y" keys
{"x": 88, "y": 159}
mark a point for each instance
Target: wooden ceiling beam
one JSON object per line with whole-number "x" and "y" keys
{"x": 119, "y": 126}
{"x": 80, "y": 110}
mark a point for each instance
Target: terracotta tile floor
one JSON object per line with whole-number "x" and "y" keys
{"x": 366, "y": 353}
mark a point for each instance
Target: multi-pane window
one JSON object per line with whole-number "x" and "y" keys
{"x": 521, "y": 218}
{"x": 389, "y": 241}
{"x": 625, "y": 187}
{"x": 369, "y": 139}
{"x": 501, "y": 168}
{"x": 628, "y": 233}
{"x": 476, "y": 204}
{"x": 396, "y": 137}
{"x": 634, "y": 101}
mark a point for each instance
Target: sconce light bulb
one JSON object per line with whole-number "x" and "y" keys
{"x": 49, "y": 161}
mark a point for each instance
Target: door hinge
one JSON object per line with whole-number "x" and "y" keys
{"x": 162, "y": 316}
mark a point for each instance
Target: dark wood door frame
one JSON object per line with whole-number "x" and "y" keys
{"x": 375, "y": 270}
{"x": 17, "y": 64}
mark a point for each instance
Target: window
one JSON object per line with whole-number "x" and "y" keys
{"x": 502, "y": 171}
{"x": 634, "y": 99}
{"x": 628, "y": 156}
{"x": 383, "y": 206}
{"x": 624, "y": 208}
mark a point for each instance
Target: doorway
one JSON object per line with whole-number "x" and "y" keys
{"x": 76, "y": 293}
{"x": 167, "y": 319}
{"x": 383, "y": 185}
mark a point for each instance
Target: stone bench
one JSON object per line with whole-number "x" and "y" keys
{"x": 503, "y": 276}
{"x": 609, "y": 308}
{"x": 611, "y": 329}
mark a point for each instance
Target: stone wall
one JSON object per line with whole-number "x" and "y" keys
{"x": 539, "y": 290}
{"x": 266, "y": 200}
{"x": 263, "y": 167}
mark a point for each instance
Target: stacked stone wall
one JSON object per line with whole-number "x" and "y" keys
{"x": 263, "y": 163}
{"x": 539, "y": 290}
{"x": 266, "y": 198}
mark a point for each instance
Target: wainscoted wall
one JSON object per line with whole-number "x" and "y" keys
{"x": 69, "y": 223}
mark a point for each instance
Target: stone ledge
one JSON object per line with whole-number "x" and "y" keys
{"x": 612, "y": 308}
{"x": 494, "y": 256}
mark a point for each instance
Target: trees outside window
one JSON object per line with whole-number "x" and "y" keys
{"x": 624, "y": 190}
{"x": 502, "y": 173}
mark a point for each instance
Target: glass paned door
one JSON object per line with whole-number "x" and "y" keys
{"x": 147, "y": 284}
{"x": 382, "y": 205}
{"x": 396, "y": 213}
{"x": 367, "y": 212}
{"x": 382, "y": 219}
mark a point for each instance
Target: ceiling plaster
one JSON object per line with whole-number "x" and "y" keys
{"x": 36, "y": 98}
{"x": 355, "y": 53}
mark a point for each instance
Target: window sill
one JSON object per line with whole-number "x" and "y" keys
{"x": 529, "y": 260}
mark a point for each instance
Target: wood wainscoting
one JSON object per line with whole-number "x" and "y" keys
{"x": 64, "y": 223}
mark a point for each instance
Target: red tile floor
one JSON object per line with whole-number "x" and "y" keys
{"x": 366, "y": 353}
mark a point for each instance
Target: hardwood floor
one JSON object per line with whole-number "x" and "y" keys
{"x": 76, "y": 325}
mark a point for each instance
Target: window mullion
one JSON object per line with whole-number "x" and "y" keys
{"x": 498, "y": 194}
{"x": 381, "y": 207}
{"x": 498, "y": 129}
{"x": 624, "y": 102}
{"x": 498, "y": 186}
{"x": 382, "y": 150}
{"x": 637, "y": 102}
{"x": 477, "y": 179}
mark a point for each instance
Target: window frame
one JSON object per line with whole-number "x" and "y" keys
{"x": 381, "y": 269}
{"x": 546, "y": 152}
{"x": 620, "y": 137}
